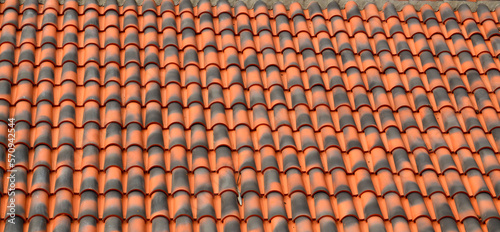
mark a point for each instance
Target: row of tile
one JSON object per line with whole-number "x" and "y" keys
{"x": 313, "y": 10}
{"x": 71, "y": 59}
{"x": 77, "y": 96}
{"x": 33, "y": 78}
{"x": 132, "y": 133}
{"x": 71, "y": 22}
{"x": 114, "y": 204}
{"x": 177, "y": 178}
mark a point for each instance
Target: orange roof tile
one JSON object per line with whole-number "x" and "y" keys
{"x": 224, "y": 118}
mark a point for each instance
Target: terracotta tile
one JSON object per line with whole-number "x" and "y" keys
{"x": 225, "y": 117}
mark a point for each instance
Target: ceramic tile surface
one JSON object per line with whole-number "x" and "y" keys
{"x": 228, "y": 118}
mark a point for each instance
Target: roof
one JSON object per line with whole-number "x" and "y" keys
{"x": 224, "y": 118}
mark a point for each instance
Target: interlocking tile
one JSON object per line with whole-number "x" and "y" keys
{"x": 228, "y": 118}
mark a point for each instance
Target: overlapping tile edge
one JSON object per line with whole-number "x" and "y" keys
{"x": 182, "y": 118}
